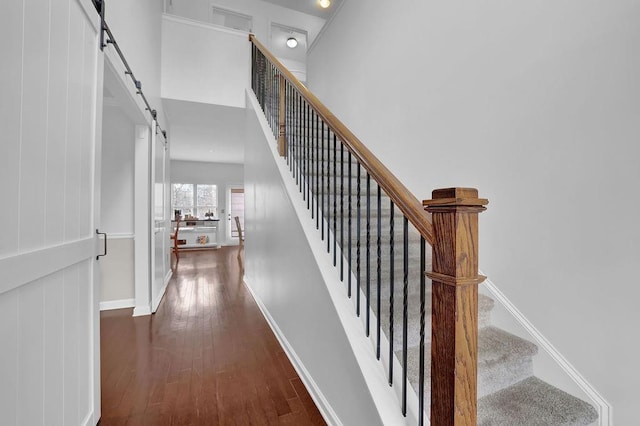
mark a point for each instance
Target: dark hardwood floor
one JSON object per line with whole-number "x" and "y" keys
{"x": 207, "y": 357}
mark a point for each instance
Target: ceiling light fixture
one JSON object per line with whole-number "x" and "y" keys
{"x": 292, "y": 42}
{"x": 325, "y": 3}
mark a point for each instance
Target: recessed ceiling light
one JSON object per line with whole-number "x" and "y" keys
{"x": 325, "y": 3}
{"x": 292, "y": 42}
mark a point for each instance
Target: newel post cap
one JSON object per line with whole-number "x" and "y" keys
{"x": 454, "y": 197}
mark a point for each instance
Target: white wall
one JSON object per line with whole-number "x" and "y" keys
{"x": 117, "y": 171}
{"x": 283, "y": 274}
{"x": 203, "y": 63}
{"x": 536, "y": 104}
{"x": 118, "y": 133}
{"x": 137, "y": 28}
{"x": 50, "y": 98}
{"x": 219, "y": 174}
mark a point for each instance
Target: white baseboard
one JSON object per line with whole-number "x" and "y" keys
{"x": 140, "y": 311}
{"x": 117, "y": 304}
{"x": 605, "y": 411}
{"x": 318, "y": 397}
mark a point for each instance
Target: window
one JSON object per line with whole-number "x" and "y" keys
{"x": 195, "y": 199}
{"x": 230, "y": 19}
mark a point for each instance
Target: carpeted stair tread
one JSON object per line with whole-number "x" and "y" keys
{"x": 503, "y": 359}
{"x": 485, "y": 304}
{"x": 533, "y": 402}
{"x": 496, "y": 345}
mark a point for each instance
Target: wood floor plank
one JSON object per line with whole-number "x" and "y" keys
{"x": 207, "y": 357}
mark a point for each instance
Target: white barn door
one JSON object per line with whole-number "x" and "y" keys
{"x": 50, "y": 99}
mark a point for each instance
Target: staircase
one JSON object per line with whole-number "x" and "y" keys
{"x": 508, "y": 391}
{"x": 377, "y": 252}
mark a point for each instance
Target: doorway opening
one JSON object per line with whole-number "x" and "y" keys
{"x": 235, "y": 203}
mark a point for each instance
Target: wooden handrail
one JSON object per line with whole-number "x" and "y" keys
{"x": 401, "y": 196}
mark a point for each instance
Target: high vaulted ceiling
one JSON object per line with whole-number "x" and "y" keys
{"x": 213, "y": 133}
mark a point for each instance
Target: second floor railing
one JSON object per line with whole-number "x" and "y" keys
{"x": 376, "y": 231}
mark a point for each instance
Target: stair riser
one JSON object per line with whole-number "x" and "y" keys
{"x": 499, "y": 376}
{"x": 490, "y": 379}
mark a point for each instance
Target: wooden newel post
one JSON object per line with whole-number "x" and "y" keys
{"x": 282, "y": 142}
{"x": 454, "y": 344}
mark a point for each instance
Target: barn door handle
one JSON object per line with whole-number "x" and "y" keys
{"x": 105, "y": 244}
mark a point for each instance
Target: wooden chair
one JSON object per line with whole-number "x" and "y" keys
{"x": 240, "y": 235}
{"x": 174, "y": 237}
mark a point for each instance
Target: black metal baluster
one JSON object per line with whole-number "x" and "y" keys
{"x": 276, "y": 102}
{"x": 341, "y": 211}
{"x": 265, "y": 83}
{"x": 358, "y": 213}
{"x": 349, "y": 225}
{"x": 287, "y": 123}
{"x": 368, "y": 250}
{"x": 309, "y": 176}
{"x": 321, "y": 134}
{"x": 378, "y": 271}
{"x": 317, "y": 183}
{"x": 290, "y": 116}
{"x": 294, "y": 130}
{"x": 309, "y": 169}
{"x": 328, "y": 189}
{"x": 405, "y": 312}
{"x": 262, "y": 76}
{"x": 253, "y": 67}
{"x": 267, "y": 86}
{"x": 270, "y": 80}
{"x": 391, "y": 291}
{"x": 305, "y": 152}
{"x": 312, "y": 159}
{"x": 256, "y": 77}
{"x": 300, "y": 145}
{"x": 287, "y": 120}
{"x": 296, "y": 162}
{"x": 422, "y": 303}
{"x": 335, "y": 199}
{"x": 303, "y": 188}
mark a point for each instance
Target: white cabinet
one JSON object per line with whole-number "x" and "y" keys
{"x": 195, "y": 234}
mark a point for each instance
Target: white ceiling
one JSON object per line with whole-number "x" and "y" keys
{"x": 204, "y": 132}
{"x": 311, "y": 7}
